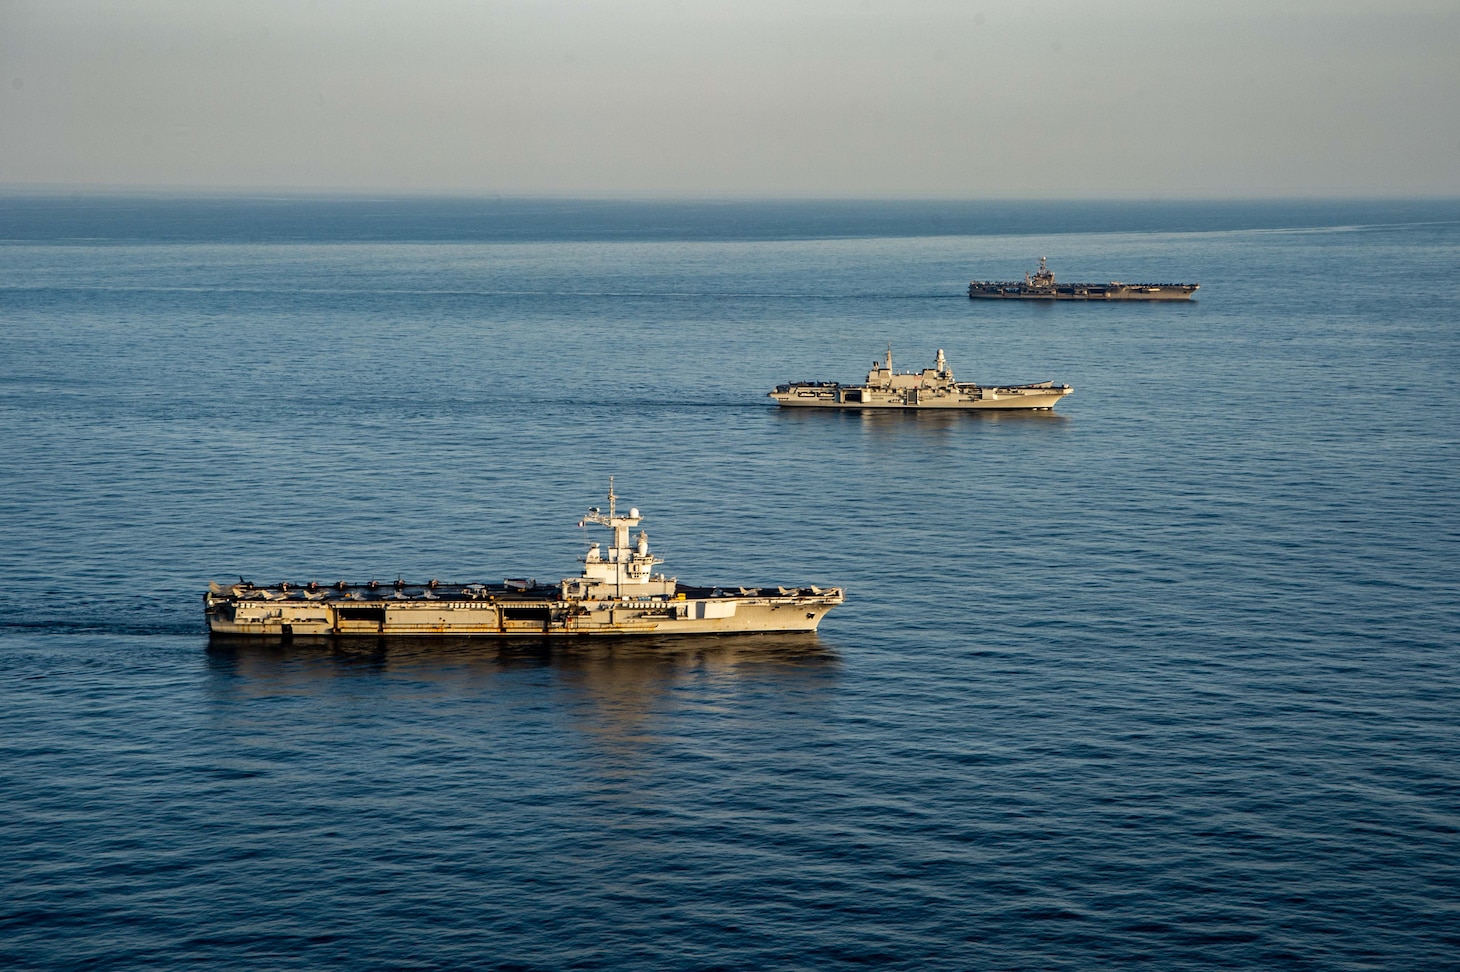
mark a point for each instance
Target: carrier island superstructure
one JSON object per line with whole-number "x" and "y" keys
{"x": 617, "y": 593}
{"x": 932, "y": 388}
{"x": 1041, "y": 285}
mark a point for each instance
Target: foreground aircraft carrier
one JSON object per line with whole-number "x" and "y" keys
{"x": 617, "y": 593}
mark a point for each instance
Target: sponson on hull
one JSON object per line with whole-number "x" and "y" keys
{"x": 931, "y": 388}
{"x": 618, "y": 593}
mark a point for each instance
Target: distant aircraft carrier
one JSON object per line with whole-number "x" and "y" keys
{"x": 931, "y": 388}
{"x": 1041, "y": 285}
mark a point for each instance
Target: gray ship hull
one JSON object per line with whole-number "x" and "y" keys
{"x": 1041, "y": 285}
{"x": 1016, "y": 291}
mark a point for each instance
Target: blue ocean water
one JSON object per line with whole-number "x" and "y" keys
{"x": 1168, "y": 676}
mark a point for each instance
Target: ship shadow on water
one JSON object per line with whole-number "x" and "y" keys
{"x": 350, "y": 655}
{"x": 619, "y": 694}
{"x": 936, "y": 423}
{"x": 938, "y": 417}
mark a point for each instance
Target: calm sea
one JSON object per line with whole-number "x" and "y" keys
{"x": 1167, "y": 677}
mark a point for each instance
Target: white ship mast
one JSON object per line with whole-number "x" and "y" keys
{"x": 621, "y": 565}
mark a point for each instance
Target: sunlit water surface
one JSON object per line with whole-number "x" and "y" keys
{"x": 1168, "y": 676}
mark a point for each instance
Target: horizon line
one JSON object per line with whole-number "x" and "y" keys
{"x": 38, "y": 190}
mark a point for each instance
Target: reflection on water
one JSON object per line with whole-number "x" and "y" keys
{"x": 615, "y": 692}
{"x": 904, "y": 420}
{"x": 926, "y": 426}
{"x": 941, "y": 420}
{"x": 271, "y": 659}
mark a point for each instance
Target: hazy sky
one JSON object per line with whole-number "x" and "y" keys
{"x": 966, "y": 99}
